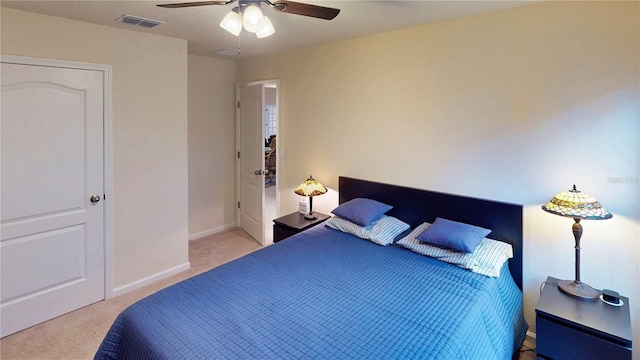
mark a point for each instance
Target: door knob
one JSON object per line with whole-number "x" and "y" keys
{"x": 258, "y": 172}
{"x": 95, "y": 198}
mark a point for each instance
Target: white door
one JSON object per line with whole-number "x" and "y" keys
{"x": 251, "y": 162}
{"x": 52, "y": 232}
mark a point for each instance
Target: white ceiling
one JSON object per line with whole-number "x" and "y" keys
{"x": 199, "y": 25}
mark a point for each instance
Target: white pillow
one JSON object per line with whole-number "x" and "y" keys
{"x": 487, "y": 259}
{"x": 382, "y": 232}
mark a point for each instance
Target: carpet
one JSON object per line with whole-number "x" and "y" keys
{"x": 78, "y": 334}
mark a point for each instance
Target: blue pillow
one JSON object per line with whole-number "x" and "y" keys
{"x": 361, "y": 211}
{"x": 453, "y": 235}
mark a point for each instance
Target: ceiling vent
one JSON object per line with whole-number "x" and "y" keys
{"x": 227, "y": 52}
{"x": 136, "y": 20}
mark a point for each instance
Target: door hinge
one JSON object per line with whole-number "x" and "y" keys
{"x": 104, "y": 196}
{"x": 238, "y": 104}
{"x": 238, "y": 204}
{"x": 238, "y": 154}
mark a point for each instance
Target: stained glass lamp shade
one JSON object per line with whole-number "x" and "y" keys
{"x": 310, "y": 187}
{"x": 577, "y": 205}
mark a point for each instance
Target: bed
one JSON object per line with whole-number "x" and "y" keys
{"x": 327, "y": 294}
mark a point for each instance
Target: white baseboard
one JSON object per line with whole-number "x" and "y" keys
{"x": 215, "y": 230}
{"x": 530, "y": 339}
{"x": 151, "y": 279}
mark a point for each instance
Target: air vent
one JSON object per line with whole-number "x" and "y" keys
{"x": 136, "y": 20}
{"x": 226, "y": 52}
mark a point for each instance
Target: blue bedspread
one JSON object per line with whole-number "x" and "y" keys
{"x": 323, "y": 294}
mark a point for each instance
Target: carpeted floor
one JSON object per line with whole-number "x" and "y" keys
{"x": 78, "y": 334}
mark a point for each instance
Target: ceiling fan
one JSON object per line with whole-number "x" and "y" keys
{"x": 316, "y": 11}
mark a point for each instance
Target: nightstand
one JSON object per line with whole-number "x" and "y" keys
{"x": 567, "y": 328}
{"x": 291, "y": 224}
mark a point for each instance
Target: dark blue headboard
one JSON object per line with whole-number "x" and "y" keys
{"x": 415, "y": 206}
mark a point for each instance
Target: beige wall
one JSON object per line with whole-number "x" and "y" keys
{"x": 515, "y": 106}
{"x": 211, "y": 145}
{"x": 149, "y": 131}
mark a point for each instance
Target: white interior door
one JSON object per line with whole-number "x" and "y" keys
{"x": 52, "y": 232}
{"x": 251, "y": 161}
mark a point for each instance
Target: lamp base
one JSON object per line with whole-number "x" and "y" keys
{"x": 578, "y": 290}
{"x": 310, "y": 216}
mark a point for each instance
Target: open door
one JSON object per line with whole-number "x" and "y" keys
{"x": 254, "y": 118}
{"x": 251, "y": 160}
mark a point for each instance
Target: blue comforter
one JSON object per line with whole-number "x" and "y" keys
{"x": 323, "y": 294}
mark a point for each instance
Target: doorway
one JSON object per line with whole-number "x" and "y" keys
{"x": 271, "y": 158}
{"x": 258, "y": 153}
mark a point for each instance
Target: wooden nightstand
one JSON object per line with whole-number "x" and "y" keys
{"x": 291, "y": 224}
{"x": 567, "y": 328}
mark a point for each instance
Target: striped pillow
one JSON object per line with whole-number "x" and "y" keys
{"x": 487, "y": 258}
{"x": 381, "y": 232}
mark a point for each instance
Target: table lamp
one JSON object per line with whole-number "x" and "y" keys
{"x": 310, "y": 187}
{"x": 577, "y": 205}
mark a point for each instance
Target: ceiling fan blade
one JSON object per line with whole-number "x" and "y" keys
{"x": 320, "y": 12}
{"x": 198, "y": 3}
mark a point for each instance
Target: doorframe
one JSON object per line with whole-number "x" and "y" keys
{"x": 278, "y": 147}
{"x": 107, "y": 141}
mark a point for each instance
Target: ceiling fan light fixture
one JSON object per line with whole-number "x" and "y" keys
{"x": 267, "y": 29}
{"x": 253, "y": 19}
{"x": 232, "y": 22}
{"x": 249, "y": 16}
